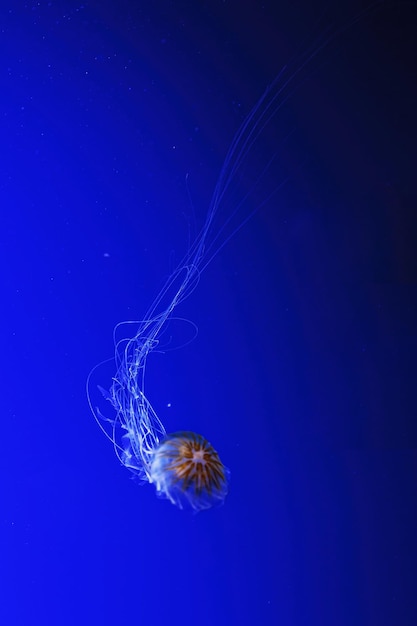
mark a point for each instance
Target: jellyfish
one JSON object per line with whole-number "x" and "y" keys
{"x": 183, "y": 466}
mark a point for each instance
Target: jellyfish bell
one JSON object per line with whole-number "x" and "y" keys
{"x": 186, "y": 469}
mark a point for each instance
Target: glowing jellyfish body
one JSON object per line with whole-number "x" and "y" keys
{"x": 188, "y": 471}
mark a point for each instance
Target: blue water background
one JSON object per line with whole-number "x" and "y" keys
{"x": 115, "y": 121}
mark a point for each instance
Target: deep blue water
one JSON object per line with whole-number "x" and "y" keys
{"x": 115, "y": 121}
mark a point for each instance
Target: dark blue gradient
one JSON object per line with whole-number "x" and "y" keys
{"x": 115, "y": 121}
